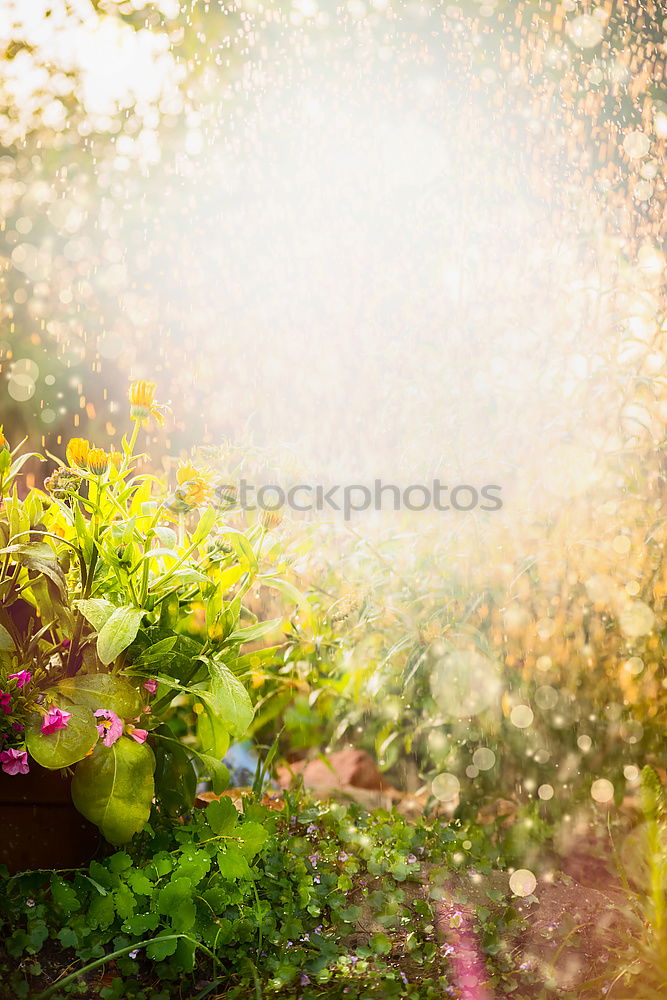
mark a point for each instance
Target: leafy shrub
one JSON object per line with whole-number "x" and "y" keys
{"x": 101, "y": 578}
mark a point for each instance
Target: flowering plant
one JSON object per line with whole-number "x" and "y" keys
{"x": 101, "y": 577}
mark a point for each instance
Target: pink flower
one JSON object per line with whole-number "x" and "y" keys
{"x": 5, "y": 701}
{"x": 54, "y": 720}
{"x": 137, "y": 734}
{"x": 111, "y": 729}
{"x": 14, "y": 761}
{"x": 151, "y": 685}
{"x": 22, "y": 678}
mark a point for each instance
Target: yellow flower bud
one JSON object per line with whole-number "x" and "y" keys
{"x": 98, "y": 461}
{"x": 77, "y": 452}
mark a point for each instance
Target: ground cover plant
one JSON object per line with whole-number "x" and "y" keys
{"x": 284, "y": 899}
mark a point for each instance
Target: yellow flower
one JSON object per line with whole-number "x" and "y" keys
{"x": 115, "y": 458}
{"x": 142, "y": 402}
{"x": 98, "y": 461}
{"x": 3, "y": 439}
{"x": 77, "y": 452}
{"x": 195, "y": 485}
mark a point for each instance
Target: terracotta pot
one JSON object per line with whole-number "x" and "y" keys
{"x": 40, "y": 828}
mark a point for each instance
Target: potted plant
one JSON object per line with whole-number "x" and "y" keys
{"x": 102, "y": 575}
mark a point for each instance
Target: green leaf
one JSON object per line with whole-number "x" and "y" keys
{"x": 175, "y": 776}
{"x": 68, "y": 938}
{"x": 169, "y": 609}
{"x": 64, "y": 895}
{"x": 173, "y": 655}
{"x": 103, "y": 691}
{"x": 185, "y": 954}
{"x": 222, "y": 816}
{"x": 232, "y": 863}
{"x": 212, "y": 734}
{"x": 114, "y": 788}
{"x": 203, "y": 529}
{"x": 96, "y": 610}
{"x": 250, "y": 661}
{"x": 230, "y": 616}
{"x": 40, "y": 557}
{"x": 175, "y": 899}
{"x": 118, "y": 632}
{"x": 139, "y": 883}
{"x": 253, "y": 837}
{"x": 6, "y": 641}
{"x": 101, "y": 911}
{"x": 138, "y": 924}
{"x": 161, "y": 947}
{"x": 119, "y": 862}
{"x": 286, "y": 588}
{"x": 228, "y": 699}
{"x": 252, "y": 632}
{"x": 243, "y": 549}
{"x": 65, "y": 746}
{"x": 49, "y": 600}
{"x": 193, "y": 866}
{"x": 216, "y": 770}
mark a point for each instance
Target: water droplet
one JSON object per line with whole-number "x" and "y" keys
{"x": 523, "y": 882}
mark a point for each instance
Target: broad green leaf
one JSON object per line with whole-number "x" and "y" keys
{"x": 64, "y": 895}
{"x": 68, "y": 938}
{"x": 222, "y": 816}
{"x": 250, "y": 661}
{"x": 252, "y": 837}
{"x": 84, "y": 536}
{"x": 161, "y": 947}
{"x": 203, "y": 529}
{"x": 213, "y": 736}
{"x": 140, "y": 923}
{"x": 169, "y": 609}
{"x": 114, "y": 788}
{"x": 65, "y": 746}
{"x": 230, "y": 616}
{"x": 252, "y": 632}
{"x": 49, "y": 600}
{"x": 6, "y": 641}
{"x": 229, "y": 576}
{"x": 103, "y": 691}
{"x": 185, "y": 954}
{"x": 174, "y": 655}
{"x": 166, "y": 536}
{"x": 96, "y": 610}
{"x": 244, "y": 551}
{"x": 175, "y": 899}
{"x": 216, "y": 770}
{"x": 175, "y": 776}
{"x": 194, "y": 865}
{"x": 214, "y": 604}
{"x": 118, "y": 632}
{"x": 228, "y": 699}
{"x": 286, "y": 588}
{"x": 232, "y": 863}
{"x": 40, "y": 557}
